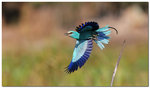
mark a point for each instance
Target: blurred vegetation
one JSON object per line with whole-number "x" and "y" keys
{"x": 35, "y": 50}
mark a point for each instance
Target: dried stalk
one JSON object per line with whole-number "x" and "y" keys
{"x": 115, "y": 70}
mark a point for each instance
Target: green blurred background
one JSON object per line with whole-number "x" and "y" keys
{"x": 35, "y": 50}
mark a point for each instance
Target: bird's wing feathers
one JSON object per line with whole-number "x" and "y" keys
{"x": 81, "y": 53}
{"x": 87, "y": 27}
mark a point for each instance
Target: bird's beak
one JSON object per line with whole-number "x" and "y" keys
{"x": 66, "y": 34}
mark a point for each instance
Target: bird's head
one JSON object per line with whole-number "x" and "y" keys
{"x": 72, "y": 34}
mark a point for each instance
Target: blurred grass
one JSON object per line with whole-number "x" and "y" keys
{"x": 46, "y": 67}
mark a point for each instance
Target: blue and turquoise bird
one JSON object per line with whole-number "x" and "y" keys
{"x": 85, "y": 34}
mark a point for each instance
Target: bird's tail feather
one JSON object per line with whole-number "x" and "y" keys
{"x": 100, "y": 44}
{"x": 102, "y": 37}
{"x": 103, "y": 29}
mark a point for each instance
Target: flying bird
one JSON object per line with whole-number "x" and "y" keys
{"x": 85, "y": 34}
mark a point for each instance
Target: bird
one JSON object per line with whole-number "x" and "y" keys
{"x": 85, "y": 34}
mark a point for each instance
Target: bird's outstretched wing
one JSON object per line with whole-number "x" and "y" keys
{"x": 81, "y": 53}
{"x": 88, "y": 26}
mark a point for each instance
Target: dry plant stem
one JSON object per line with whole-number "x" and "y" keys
{"x": 115, "y": 70}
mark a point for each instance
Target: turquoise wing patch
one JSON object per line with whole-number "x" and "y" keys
{"x": 81, "y": 54}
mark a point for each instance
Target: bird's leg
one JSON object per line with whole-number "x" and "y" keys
{"x": 94, "y": 37}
